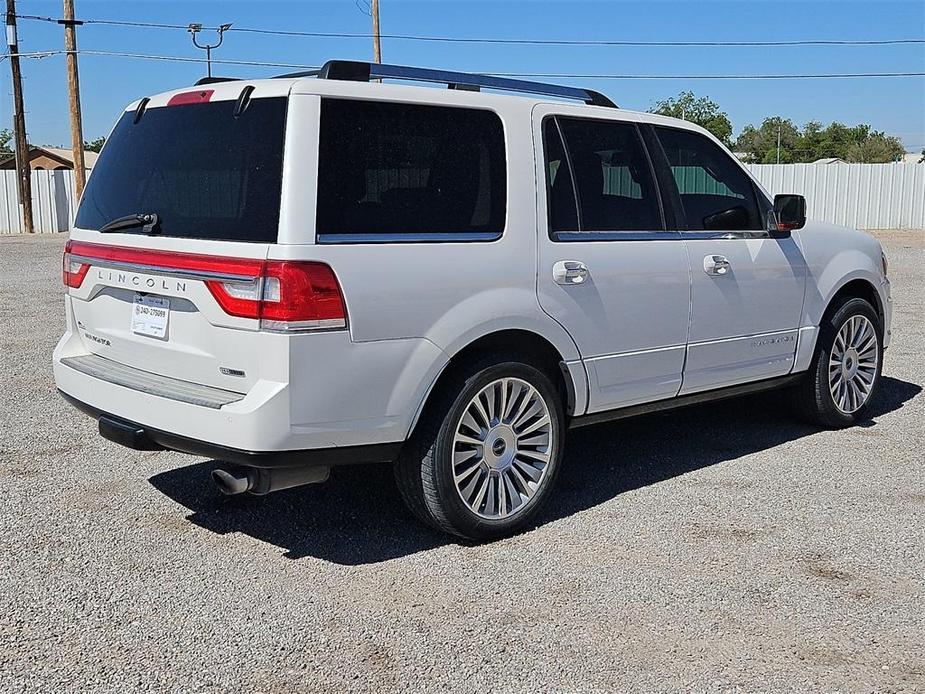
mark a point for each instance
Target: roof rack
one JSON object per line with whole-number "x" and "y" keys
{"x": 356, "y": 71}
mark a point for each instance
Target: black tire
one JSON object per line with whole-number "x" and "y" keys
{"x": 812, "y": 398}
{"x": 424, "y": 471}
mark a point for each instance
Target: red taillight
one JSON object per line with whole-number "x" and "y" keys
{"x": 284, "y": 295}
{"x": 289, "y": 296}
{"x": 301, "y": 295}
{"x": 72, "y": 271}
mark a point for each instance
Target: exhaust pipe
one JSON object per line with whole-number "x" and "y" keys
{"x": 231, "y": 483}
{"x": 262, "y": 481}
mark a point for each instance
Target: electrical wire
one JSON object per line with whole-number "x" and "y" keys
{"x": 508, "y": 41}
{"x": 184, "y": 59}
{"x": 805, "y": 76}
{"x": 545, "y": 75}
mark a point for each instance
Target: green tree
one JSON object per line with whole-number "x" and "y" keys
{"x": 700, "y": 110}
{"x": 872, "y": 147}
{"x": 95, "y": 145}
{"x": 760, "y": 144}
{"x": 854, "y": 144}
{"x": 6, "y": 136}
{"x": 813, "y": 145}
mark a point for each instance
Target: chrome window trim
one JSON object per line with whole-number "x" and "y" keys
{"x": 162, "y": 271}
{"x": 411, "y": 237}
{"x": 590, "y": 236}
{"x": 724, "y": 235}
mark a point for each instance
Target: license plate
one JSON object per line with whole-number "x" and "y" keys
{"x": 150, "y": 314}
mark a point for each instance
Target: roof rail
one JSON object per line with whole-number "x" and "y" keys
{"x": 357, "y": 71}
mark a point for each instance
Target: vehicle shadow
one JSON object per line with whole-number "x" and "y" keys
{"x": 357, "y": 516}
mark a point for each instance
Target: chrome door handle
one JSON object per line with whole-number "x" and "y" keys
{"x": 569, "y": 272}
{"x": 716, "y": 265}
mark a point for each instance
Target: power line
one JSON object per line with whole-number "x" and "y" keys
{"x": 805, "y": 76}
{"x": 546, "y": 75}
{"x": 508, "y": 41}
{"x": 32, "y": 54}
{"x": 183, "y": 59}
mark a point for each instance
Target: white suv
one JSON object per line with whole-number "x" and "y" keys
{"x": 319, "y": 269}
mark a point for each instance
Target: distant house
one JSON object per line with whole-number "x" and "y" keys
{"x": 49, "y": 159}
{"x": 830, "y": 160}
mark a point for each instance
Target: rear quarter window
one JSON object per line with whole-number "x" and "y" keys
{"x": 205, "y": 172}
{"x": 391, "y": 171}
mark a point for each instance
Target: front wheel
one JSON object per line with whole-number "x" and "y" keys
{"x": 486, "y": 452}
{"x": 845, "y": 371}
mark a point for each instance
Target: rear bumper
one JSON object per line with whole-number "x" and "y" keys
{"x": 312, "y": 391}
{"x": 140, "y": 437}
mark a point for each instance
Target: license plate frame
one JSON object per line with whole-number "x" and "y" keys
{"x": 150, "y": 315}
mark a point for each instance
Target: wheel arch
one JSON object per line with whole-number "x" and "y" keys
{"x": 534, "y": 348}
{"x": 860, "y": 288}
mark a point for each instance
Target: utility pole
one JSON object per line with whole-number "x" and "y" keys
{"x": 73, "y": 93}
{"x": 778, "y": 142}
{"x": 19, "y": 120}
{"x": 377, "y": 47}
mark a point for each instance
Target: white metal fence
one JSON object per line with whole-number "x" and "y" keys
{"x": 866, "y": 196}
{"x": 53, "y": 203}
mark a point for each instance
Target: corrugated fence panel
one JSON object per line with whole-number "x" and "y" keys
{"x": 53, "y": 204}
{"x": 866, "y": 196}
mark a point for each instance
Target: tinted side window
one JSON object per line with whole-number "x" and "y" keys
{"x": 560, "y": 191}
{"x": 616, "y": 191}
{"x": 715, "y": 193}
{"x": 389, "y": 168}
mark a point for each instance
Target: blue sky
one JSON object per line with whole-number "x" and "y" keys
{"x": 896, "y": 105}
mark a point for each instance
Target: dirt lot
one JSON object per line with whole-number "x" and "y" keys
{"x": 722, "y": 547}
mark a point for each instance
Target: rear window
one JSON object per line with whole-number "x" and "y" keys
{"x": 206, "y": 173}
{"x": 390, "y": 171}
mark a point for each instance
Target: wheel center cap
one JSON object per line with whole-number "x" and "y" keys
{"x": 501, "y": 447}
{"x": 850, "y": 364}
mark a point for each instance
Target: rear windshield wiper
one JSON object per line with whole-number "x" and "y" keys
{"x": 148, "y": 222}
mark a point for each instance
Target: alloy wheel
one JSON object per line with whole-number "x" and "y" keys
{"x": 502, "y": 448}
{"x": 853, "y": 364}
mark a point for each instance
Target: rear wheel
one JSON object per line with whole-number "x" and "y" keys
{"x": 845, "y": 371}
{"x": 486, "y": 452}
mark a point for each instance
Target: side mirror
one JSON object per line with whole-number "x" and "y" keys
{"x": 790, "y": 211}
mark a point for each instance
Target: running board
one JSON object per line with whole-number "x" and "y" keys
{"x": 685, "y": 400}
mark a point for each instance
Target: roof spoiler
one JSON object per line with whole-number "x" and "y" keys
{"x": 216, "y": 80}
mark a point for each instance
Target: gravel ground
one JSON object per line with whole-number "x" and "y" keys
{"x": 722, "y": 547}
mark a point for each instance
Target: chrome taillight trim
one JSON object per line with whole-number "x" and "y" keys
{"x": 161, "y": 270}
{"x": 305, "y": 326}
